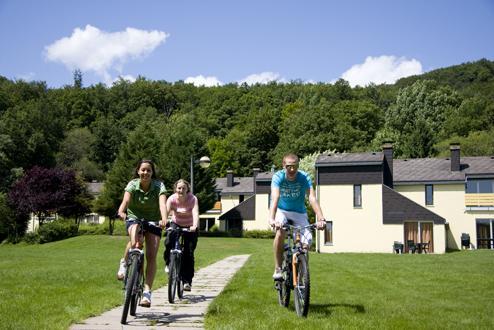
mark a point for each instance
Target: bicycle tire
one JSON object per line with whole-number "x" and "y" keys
{"x": 172, "y": 278}
{"x": 132, "y": 274}
{"x": 284, "y": 285}
{"x": 302, "y": 288}
{"x": 138, "y": 289}
{"x": 180, "y": 283}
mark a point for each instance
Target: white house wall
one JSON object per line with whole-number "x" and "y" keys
{"x": 449, "y": 203}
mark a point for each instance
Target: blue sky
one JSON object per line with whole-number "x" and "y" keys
{"x": 218, "y": 42}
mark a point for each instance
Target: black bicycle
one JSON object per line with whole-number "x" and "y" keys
{"x": 295, "y": 271}
{"x": 134, "y": 277}
{"x": 175, "y": 282}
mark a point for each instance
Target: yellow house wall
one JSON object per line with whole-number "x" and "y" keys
{"x": 449, "y": 203}
{"x": 356, "y": 229}
{"x": 261, "y": 216}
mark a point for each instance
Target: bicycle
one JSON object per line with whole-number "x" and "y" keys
{"x": 134, "y": 277}
{"x": 295, "y": 271}
{"x": 175, "y": 282}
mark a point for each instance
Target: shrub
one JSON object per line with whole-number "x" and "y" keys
{"x": 56, "y": 231}
{"x": 258, "y": 234}
{"x": 31, "y": 238}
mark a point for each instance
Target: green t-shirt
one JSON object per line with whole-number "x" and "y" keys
{"x": 145, "y": 205}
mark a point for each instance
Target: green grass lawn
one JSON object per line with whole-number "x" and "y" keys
{"x": 376, "y": 291}
{"x": 53, "y": 285}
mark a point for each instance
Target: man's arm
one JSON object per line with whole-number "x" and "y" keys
{"x": 317, "y": 209}
{"x": 275, "y": 197}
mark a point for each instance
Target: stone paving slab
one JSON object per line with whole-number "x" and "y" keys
{"x": 187, "y": 313}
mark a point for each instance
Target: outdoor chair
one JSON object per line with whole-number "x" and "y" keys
{"x": 398, "y": 247}
{"x": 412, "y": 247}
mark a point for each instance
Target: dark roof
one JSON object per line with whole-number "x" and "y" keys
{"x": 397, "y": 209}
{"x": 439, "y": 169}
{"x": 241, "y": 185}
{"x": 415, "y": 170}
{"x": 243, "y": 211}
{"x": 350, "y": 159}
{"x": 264, "y": 176}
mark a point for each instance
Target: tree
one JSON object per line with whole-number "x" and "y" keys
{"x": 76, "y": 151}
{"x": 12, "y": 225}
{"x": 418, "y": 117}
{"x": 77, "y": 78}
{"x": 44, "y": 191}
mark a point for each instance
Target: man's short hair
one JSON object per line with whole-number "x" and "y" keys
{"x": 292, "y": 156}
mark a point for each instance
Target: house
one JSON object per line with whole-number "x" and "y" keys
{"x": 234, "y": 206}
{"x": 373, "y": 201}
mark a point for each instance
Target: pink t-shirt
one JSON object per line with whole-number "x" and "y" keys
{"x": 182, "y": 211}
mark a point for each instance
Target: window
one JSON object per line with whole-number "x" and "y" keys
{"x": 357, "y": 195}
{"x": 429, "y": 194}
{"x": 479, "y": 186}
{"x": 328, "y": 233}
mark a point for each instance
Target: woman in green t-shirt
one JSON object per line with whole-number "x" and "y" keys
{"x": 144, "y": 198}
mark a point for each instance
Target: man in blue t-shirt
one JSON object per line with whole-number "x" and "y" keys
{"x": 288, "y": 190}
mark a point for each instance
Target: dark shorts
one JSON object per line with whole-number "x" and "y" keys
{"x": 150, "y": 227}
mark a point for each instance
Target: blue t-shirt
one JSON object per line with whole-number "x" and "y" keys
{"x": 292, "y": 193}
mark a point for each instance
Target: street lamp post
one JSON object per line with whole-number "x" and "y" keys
{"x": 204, "y": 162}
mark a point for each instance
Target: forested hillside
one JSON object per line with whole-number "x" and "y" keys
{"x": 102, "y": 131}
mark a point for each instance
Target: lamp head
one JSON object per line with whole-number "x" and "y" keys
{"x": 204, "y": 162}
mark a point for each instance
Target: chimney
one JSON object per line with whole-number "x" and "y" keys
{"x": 255, "y": 172}
{"x": 388, "y": 164}
{"x": 229, "y": 178}
{"x": 455, "y": 156}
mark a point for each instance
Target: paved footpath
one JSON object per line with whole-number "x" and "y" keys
{"x": 187, "y": 313}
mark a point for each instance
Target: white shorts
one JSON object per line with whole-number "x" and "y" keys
{"x": 296, "y": 219}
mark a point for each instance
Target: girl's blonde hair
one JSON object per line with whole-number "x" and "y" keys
{"x": 187, "y": 184}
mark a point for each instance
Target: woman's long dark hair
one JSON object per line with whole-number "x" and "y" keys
{"x": 150, "y": 162}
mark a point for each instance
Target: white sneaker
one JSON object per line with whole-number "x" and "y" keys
{"x": 187, "y": 287}
{"x": 146, "y": 299}
{"x": 122, "y": 269}
{"x": 167, "y": 270}
{"x": 277, "y": 275}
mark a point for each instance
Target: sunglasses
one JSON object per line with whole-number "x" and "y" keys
{"x": 291, "y": 167}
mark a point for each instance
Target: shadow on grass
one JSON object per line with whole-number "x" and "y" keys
{"x": 328, "y": 308}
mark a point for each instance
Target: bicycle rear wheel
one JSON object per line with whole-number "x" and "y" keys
{"x": 302, "y": 287}
{"x": 132, "y": 274}
{"x": 173, "y": 277}
{"x": 283, "y": 286}
{"x": 138, "y": 288}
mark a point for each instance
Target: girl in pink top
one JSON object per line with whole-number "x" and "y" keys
{"x": 184, "y": 209}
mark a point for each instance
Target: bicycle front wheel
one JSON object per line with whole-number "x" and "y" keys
{"x": 132, "y": 274}
{"x": 138, "y": 287}
{"x": 284, "y": 285}
{"x": 173, "y": 276}
{"x": 179, "y": 282}
{"x": 302, "y": 287}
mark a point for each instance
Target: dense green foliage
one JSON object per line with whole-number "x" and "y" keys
{"x": 102, "y": 132}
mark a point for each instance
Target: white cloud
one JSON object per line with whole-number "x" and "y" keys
{"x": 91, "y": 49}
{"x": 382, "y": 69}
{"x": 203, "y": 81}
{"x": 261, "y": 78}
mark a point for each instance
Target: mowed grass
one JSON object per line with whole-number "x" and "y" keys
{"x": 366, "y": 291}
{"x": 53, "y": 285}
